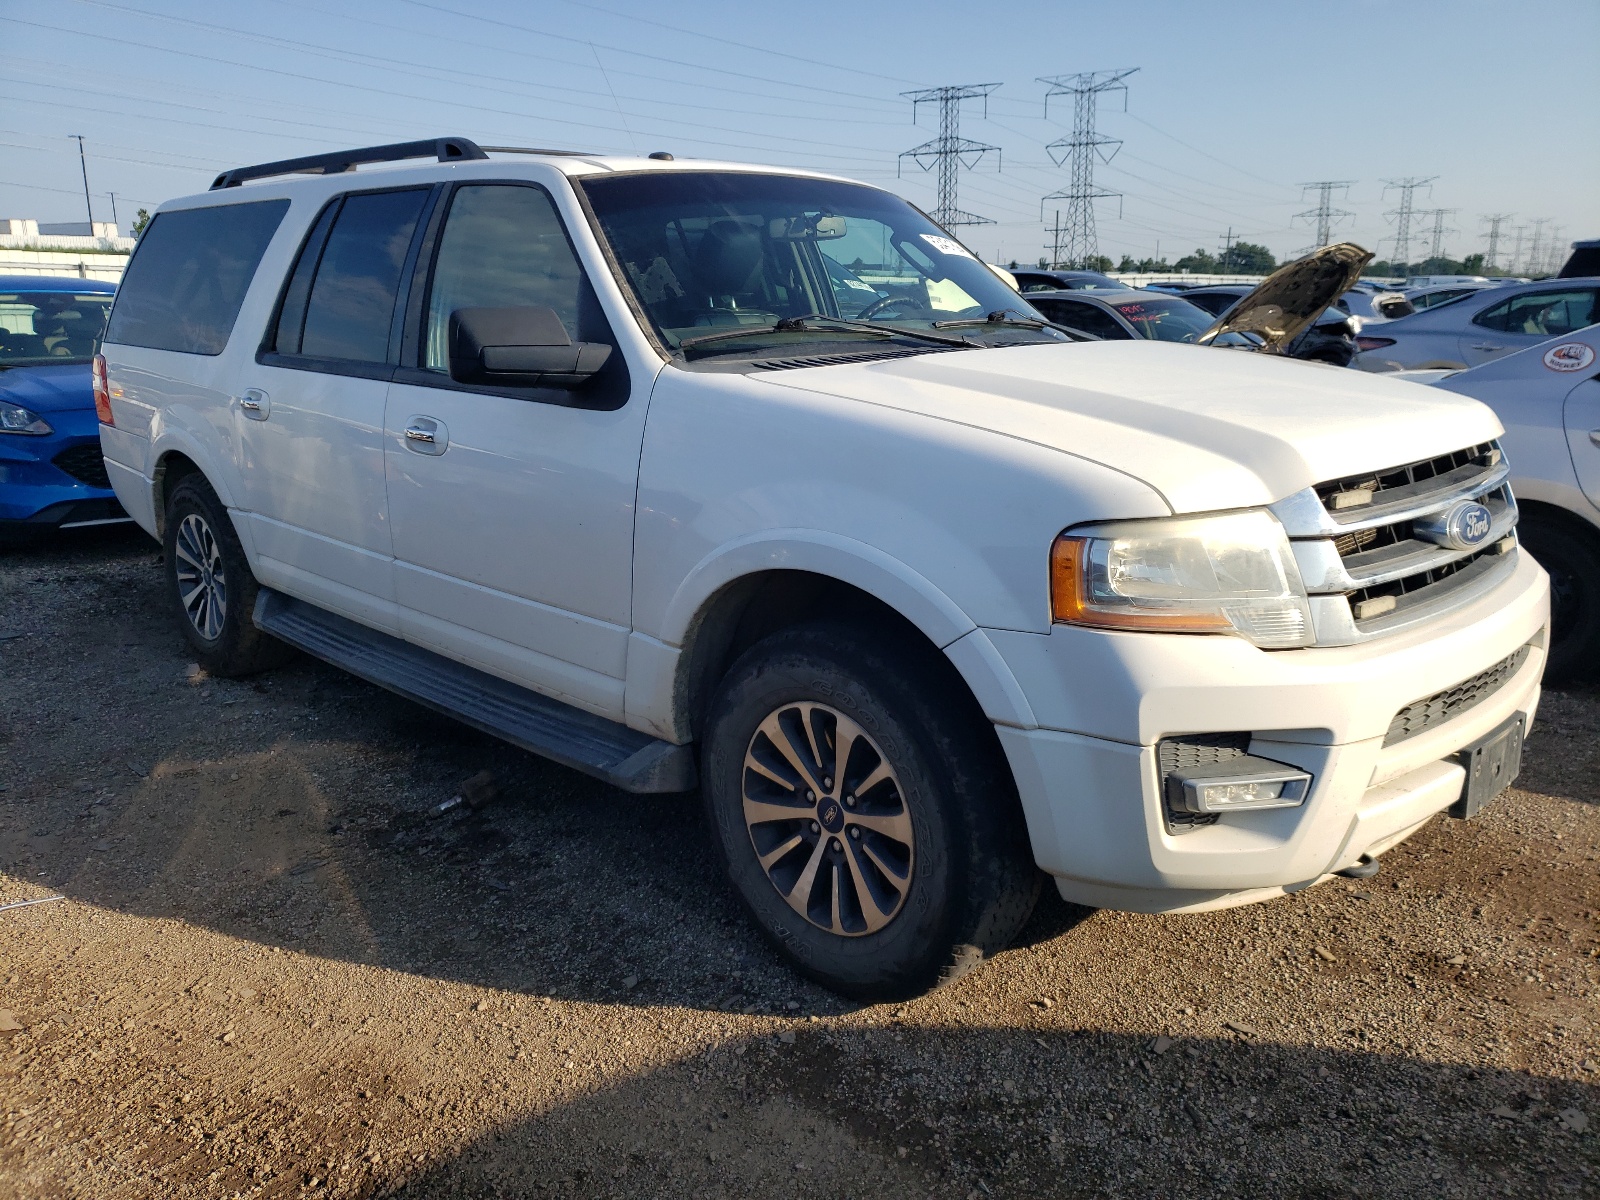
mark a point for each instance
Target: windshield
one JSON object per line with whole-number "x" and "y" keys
{"x": 714, "y": 252}
{"x": 1165, "y": 319}
{"x": 51, "y": 327}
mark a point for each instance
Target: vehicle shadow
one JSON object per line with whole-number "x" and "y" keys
{"x": 1036, "y": 1110}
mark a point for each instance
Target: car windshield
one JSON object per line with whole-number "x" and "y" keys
{"x": 51, "y": 327}
{"x": 1165, "y": 319}
{"x": 717, "y": 252}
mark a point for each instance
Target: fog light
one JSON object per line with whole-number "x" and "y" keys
{"x": 1237, "y": 785}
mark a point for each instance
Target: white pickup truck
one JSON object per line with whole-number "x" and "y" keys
{"x": 697, "y": 474}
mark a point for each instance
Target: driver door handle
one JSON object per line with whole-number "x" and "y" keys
{"x": 254, "y": 404}
{"x": 426, "y": 435}
{"x": 1486, "y": 346}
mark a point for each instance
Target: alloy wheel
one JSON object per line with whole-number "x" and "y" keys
{"x": 828, "y": 819}
{"x": 202, "y": 583}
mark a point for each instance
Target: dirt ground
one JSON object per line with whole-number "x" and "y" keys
{"x": 274, "y": 973}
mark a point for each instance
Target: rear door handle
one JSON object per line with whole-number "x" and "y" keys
{"x": 1486, "y": 346}
{"x": 426, "y": 435}
{"x": 255, "y": 405}
{"x": 1594, "y": 436}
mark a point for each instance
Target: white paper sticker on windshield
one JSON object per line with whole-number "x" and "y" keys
{"x": 945, "y": 245}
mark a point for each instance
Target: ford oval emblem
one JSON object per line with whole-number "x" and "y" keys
{"x": 1467, "y": 525}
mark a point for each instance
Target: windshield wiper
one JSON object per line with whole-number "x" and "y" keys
{"x": 1000, "y": 316}
{"x": 812, "y": 321}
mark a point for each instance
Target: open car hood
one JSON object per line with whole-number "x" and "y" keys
{"x": 1293, "y": 296}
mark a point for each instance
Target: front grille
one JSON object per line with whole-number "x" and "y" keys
{"x": 1371, "y": 564}
{"x": 1195, "y": 750}
{"x": 1412, "y": 477}
{"x": 1440, "y": 707}
{"x": 85, "y": 464}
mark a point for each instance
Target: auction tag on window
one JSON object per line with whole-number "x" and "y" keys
{"x": 945, "y": 245}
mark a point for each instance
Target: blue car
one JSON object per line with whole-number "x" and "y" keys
{"x": 51, "y": 473}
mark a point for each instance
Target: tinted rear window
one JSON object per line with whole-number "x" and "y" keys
{"x": 352, "y": 301}
{"x": 183, "y": 289}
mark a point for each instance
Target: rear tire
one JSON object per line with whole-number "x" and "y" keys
{"x": 212, "y": 586}
{"x": 913, "y": 881}
{"x": 1572, "y": 557}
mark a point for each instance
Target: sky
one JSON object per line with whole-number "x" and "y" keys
{"x": 1232, "y": 109}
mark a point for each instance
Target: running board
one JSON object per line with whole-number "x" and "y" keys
{"x": 633, "y": 761}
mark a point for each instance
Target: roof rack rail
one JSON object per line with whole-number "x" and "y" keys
{"x": 536, "y": 150}
{"x": 444, "y": 149}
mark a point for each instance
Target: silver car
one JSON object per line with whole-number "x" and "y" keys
{"x": 1481, "y": 327}
{"x": 1548, "y": 399}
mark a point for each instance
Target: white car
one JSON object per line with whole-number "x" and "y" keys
{"x": 1548, "y": 399}
{"x": 928, "y": 599}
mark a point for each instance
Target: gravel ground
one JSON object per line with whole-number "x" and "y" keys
{"x": 274, "y": 973}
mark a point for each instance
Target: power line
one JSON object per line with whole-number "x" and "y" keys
{"x": 1402, "y": 214}
{"x": 1495, "y": 220}
{"x": 950, "y": 151}
{"x": 1324, "y": 215}
{"x": 1082, "y": 147}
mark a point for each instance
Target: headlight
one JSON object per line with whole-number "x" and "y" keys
{"x": 1227, "y": 574}
{"x": 16, "y": 419}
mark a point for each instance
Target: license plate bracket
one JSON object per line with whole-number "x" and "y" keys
{"x": 1492, "y": 764}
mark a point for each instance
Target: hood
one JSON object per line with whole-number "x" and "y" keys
{"x": 1294, "y": 296}
{"x": 1205, "y": 430}
{"x": 48, "y": 388}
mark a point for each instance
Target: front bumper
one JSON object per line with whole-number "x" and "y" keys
{"x": 1091, "y": 788}
{"x": 37, "y": 494}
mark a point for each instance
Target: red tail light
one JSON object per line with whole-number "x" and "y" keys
{"x": 102, "y": 392}
{"x": 1373, "y": 343}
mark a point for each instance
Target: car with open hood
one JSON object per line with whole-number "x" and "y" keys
{"x": 755, "y": 480}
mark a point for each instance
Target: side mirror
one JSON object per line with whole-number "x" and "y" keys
{"x": 519, "y": 347}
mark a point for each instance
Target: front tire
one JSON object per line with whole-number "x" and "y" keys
{"x": 1572, "y": 557}
{"x": 864, "y": 812}
{"x": 212, "y": 586}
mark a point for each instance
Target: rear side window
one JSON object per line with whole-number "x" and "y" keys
{"x": 1542, "y": 314}
{"x": 339, "y": 301}
{"x": 184, "y": 287}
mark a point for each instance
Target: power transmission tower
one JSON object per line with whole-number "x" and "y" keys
{"x": 1536, "y": 251}
{"x": 1495, "y": 220}
{"x": 950, "y": 151}
{"x": 1436, "y": 238}
{"x": 1556, "y": 250}
{"x": 1227, "y": 250}
{"x": 1325, "y": 215}
{"x": 1402, "y": 215}
{"x": 1081, "y": 147}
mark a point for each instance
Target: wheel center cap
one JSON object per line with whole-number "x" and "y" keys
{"x": 830, "y": 816}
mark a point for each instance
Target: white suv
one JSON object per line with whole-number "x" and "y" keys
{"x": 688, "y": 473}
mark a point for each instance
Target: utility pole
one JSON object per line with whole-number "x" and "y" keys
{"x": 1227, "y": 249}
{"x": 950, "y": 151}
{"x": 1436, "y": 238}
{"x": 1081, "y": 147}
{"x": 1402, "y": 214}
{"x": 1495, "y": 220}
{"x": 84, "y": 163}
{"x": 1055, "y": 232}
{"x": 1325, "y": 215}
